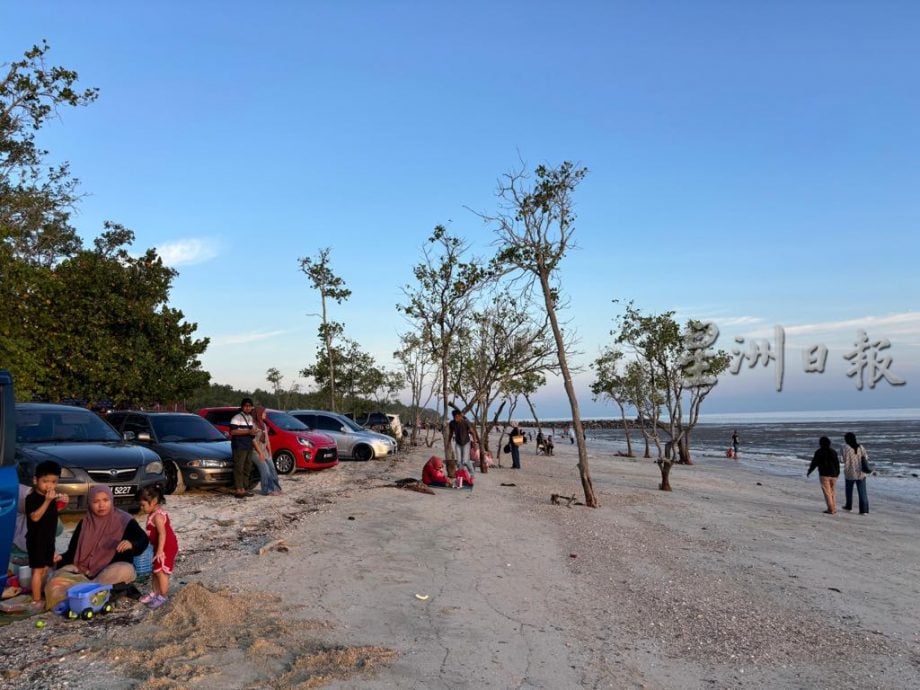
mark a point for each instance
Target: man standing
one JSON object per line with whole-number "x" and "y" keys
{"x": 242, "y": 432}
{"x": 735, "y": 443}
{"x": 463, "y": 434}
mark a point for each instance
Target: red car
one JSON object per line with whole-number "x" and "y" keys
{"x": 293, "y": 444}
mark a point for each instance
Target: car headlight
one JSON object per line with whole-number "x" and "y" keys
{"x": 209, "y": 462}
{"x": 305, "y": 442}
{"x": 155, "y": 467}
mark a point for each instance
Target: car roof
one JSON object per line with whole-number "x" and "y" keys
{"x": 52, "y": 407}
{"x": 152, "y": 413}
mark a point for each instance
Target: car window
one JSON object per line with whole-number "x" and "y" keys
{"x": 283, "y": 420}
{"x": 184, "y": 428}
{"x": 308, "y": 420}
{"x": 221, "y": 417}
{"x": 327, "y": 423}
{"x": 136, "y": 423}
{"x": 51, "y": 426}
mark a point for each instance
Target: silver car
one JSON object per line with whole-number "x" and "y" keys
{"x": 353, "y": 441}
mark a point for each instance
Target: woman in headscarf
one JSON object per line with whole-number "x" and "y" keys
{"x": 853, "y": 456}
{"x": 102, "y": 547}
{"x": 268, "y": 475}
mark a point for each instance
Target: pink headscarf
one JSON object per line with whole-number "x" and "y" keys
{"x": 99, "y": 535}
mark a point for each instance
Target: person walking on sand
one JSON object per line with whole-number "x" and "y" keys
{"x": 855, "y": 470}
{"x": 463, "y": 434}
{"x": 514, "y": 447}
{"x": 828, "y": 465}
{"x": 736, "y": 441}
{"x": 242, "y": 433}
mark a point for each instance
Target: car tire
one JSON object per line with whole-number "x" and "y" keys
{"x": 175, "y": 482}
{"x": 363, "y": 453}
{"x": 285, "y": 462}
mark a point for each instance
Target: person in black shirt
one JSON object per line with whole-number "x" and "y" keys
{"x": 828, "y": 465}
{"x": 41, "y": 528}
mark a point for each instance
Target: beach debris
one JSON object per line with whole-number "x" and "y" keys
{"x": 834, "y": 589}
{"x": 39, "y": 624}
{"x": 559, "y": 499}
{"x": 508, "y": 484}
{"x": 412, "y": 484}
{"x": 274, "y": 545}
{"x": 351, "y": 517}
{"x": 422, "y": 597}
{"x": 573, "y": 555}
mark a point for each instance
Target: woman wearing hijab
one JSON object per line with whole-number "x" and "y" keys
{"x": 101, "y": 550}
{"x": 854, "y": 456}
{"x": 268, "y": 476}
{"x": 828, "y": 466}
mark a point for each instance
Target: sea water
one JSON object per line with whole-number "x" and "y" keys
{"x": 784, "y": 444}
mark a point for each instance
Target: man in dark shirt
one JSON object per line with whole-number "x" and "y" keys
{"x": 464, "y": 435}
{"x": 242, "y": 432}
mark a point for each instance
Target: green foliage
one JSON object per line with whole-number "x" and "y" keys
{"x": 88, "y": 324}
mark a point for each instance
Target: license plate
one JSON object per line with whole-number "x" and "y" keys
{"x": 123, "y": 490}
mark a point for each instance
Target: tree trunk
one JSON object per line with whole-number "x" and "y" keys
{"x": 684, "y": 449}
{"x": 549, "y": 298}
{"x": 665, "y": 466}
{"x": 629, "y": 451}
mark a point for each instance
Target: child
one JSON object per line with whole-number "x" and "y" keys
{"x": 42, "y": 511}
{"x": 164, "y": 543}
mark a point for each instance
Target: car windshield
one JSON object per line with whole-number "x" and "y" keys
{"x": 55, "y": 426}
{"x": 184, "y": 428}
{"x": 283, "y": 420}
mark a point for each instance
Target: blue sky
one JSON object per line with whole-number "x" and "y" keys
{"x": 752, "y": 164}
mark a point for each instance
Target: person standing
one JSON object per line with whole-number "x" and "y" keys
{"x": 515, "y": 447}
{"x": 827, "y": 463}
{"x": 242, "y": 433}
{"x": 736, "y": 441}
{"x": 268, "y": 475}
{"x": 855, "y": 470}
{"x": 463, "y": 434}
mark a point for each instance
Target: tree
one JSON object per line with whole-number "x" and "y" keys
{"x": 535, "y": 226}
{"x": 330, "y": 287}
{"x": 274, "y": 377}
{"x": 420, "y": 376}
{"x": 678, "y": 372}
{"x": 610, "y": 384}
{"x": 440, "y": 306}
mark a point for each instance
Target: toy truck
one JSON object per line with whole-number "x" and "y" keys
{"x": 85, "y": 601}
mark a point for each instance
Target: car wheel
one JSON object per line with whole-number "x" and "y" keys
{"x": 284, "y": 462}
{"x": 363, "y": 453}
{"x": 175, "y": 483}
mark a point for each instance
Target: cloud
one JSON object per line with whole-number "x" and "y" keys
{"x": 245, "y": 338}
{"x": 189, "y": 251}
{"x": 904, "y": 324}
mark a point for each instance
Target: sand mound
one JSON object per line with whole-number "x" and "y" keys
{"x": 218, "y": 638}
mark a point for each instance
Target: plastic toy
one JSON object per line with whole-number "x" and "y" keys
{"x": 85, "y": 601}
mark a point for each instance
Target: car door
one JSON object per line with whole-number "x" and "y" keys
{"x": 9, "y": 481}
{"x": 331, "y": 426}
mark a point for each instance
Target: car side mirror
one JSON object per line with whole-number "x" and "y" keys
{"x": 128, "y": 435}
{"x": 344, "y": 429}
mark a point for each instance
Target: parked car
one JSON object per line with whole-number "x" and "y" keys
{"x": 354, "y": 442}
{"x": 380, "y": 422}
{"x": 195, "y": 453}
{"x": 9, "y": 481}
{"x": 89, "y": 451}
{"x": 293, "y": 444}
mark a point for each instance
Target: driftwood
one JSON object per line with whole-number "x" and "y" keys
{"x": 559, "y": 499}
{"x": 274, "y": 545}
{"x": 412, "y": 484}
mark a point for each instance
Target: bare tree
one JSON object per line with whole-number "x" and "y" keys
{"x": 330, "y": 287}
{"x": 418, "y": 370}
{"x": 274, "y": 377}
{"x": 535, "y": 227}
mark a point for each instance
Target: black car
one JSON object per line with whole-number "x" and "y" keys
{"x": 195, "y": 453}
{"x": 88, "y": 450}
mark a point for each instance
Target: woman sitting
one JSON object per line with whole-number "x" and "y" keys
{"x": 433, "y": 473}
{"x": 101, "y": 549}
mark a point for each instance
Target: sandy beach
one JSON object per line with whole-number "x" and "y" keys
{"x": 735, "y": 579}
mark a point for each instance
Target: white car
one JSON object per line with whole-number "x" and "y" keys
{"x": 354, "y": 442}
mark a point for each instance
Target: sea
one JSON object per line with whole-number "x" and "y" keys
{"x": 784, "y": 443}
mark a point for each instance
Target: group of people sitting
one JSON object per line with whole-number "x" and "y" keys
{"x": 544, "y": 444}
{"x": 435, "y": 474}
{"x": 103, "y": 545}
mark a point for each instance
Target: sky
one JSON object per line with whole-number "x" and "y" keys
{"x": 750, "y": 164}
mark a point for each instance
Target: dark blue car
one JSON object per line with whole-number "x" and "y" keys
{"x": 9, "y": 482}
